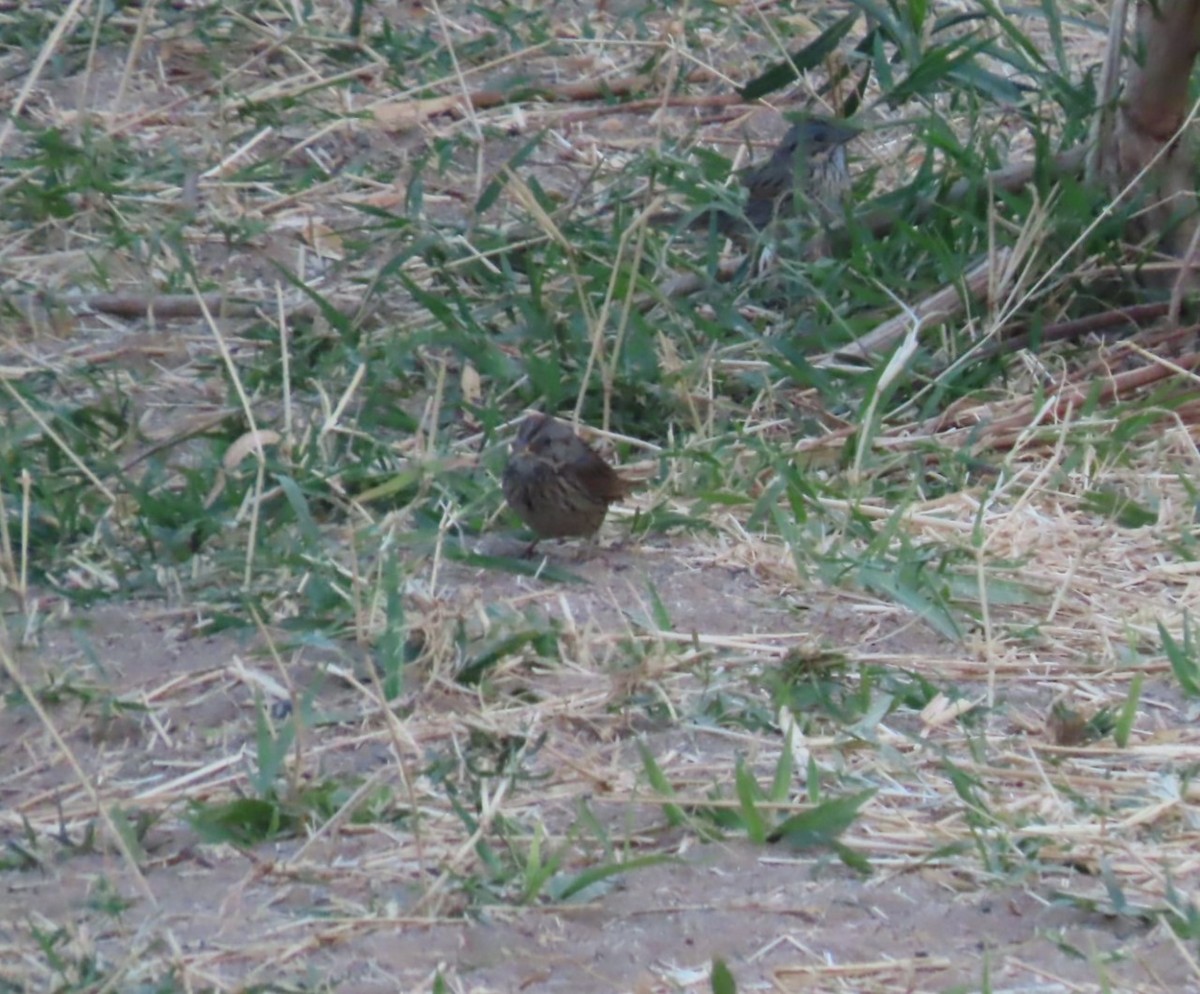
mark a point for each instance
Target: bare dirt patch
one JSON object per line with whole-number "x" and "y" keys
{"x": 349, "y": 905}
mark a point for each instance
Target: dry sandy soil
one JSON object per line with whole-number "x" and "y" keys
{"x": 349, "y": 906}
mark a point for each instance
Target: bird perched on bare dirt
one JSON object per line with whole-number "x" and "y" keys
{"x": 806, "y": 176}
{"x": 558, "y": 484}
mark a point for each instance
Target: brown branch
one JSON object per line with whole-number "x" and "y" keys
{"x": 166, "y": 306}
{"x": 407, "y": 113}
{"x": 1066, "y": 399}
{"x": 1020, "y": 336}
{"x": 161, "y": 306}
{"x": 933, "y": 311}
{"x": 721, "y": 100}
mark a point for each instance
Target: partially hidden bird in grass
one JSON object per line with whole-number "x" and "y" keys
{"x": 557, "y": 484}
{"x": 806, "y": 177}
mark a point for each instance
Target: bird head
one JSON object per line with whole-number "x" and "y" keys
{"x": 817, "y": 135}
{"x": 542, "y": 437}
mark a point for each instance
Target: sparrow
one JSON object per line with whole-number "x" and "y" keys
{"x": 805, "y": 176}
{"x": 557, "y": 484}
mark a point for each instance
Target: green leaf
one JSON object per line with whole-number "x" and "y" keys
{"x": 674, "y": 814}
{"x": 781, "y": 784}
{"x": 537, "y": 872}
{"x": 910, "y": 585}
{"x": 917, "y": 11}
{"x": 658, "y": 610}
{"x": 595, "y": 874}
{"x": 812, "y": 55}
{"x": 304, "y": 518}
{"x": 721, "y": 980}
{"x": 943, "y": 65}
{"x": 820, "y": 826}
{"x": 855, "y": 860}
{"x": 473, "y": 671}
{"x": 1128, "y": 715}
{"x": 881, "y": 62}
{"x": 1182, "y": 658}
{"x": 1113, "y": 886}
{"x": 491, "y": 192}
{"x": 1020, "y": 41}
{"x": 1054, "y": 26}
{"x": 392, "y": 644}
{"x": 1119, "y": 507}
{"x": 272, "y": 748}
{"x": 245, "y": 821}
{"x": 747, "y": 791}
{"x": 128, "y": 831}
{"x": 890, "y": 28}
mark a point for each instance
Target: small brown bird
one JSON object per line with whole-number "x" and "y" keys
{"x": 557, "y": 483}
{"x": 806, "y": 176}
{"x": 808, "y": 170}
